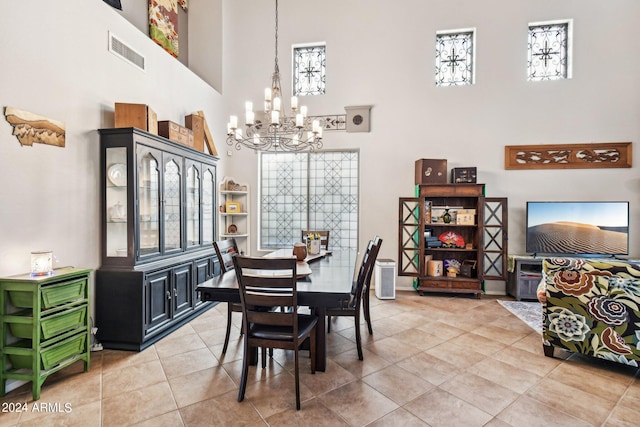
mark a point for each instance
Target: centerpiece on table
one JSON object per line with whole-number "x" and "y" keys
{"x": 313, "y": 243}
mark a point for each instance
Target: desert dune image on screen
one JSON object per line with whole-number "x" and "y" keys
{"x": 577, "y": 228}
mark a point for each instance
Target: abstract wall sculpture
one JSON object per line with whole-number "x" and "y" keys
{"x": 163, "y": 24}
{"x": 29, "y": 128}
{"x": 568, "y": 156}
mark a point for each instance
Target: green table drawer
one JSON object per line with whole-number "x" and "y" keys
{"x": 53, "y": 325}
{"x": 52, "y": 295}
{"x": 53, "y": 355}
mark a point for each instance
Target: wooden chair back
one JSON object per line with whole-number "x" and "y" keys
{"x": 268, "y": 282}
{"x": 365, "y": 272}
{"x": 225, "y": 250}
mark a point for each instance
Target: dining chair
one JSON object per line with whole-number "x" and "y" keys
{"x": 269, "y": 282}
{"x": 359, "y": 294}
{"x": 324, "y": 237}
{"x": 225, "y": 250}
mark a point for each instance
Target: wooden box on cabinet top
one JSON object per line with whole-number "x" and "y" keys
{"x": 431, "y": 171}
{"x": 176, "y": 133}
{"x": 139, "y": 116}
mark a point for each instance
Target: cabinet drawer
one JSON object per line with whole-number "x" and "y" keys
{"x": 53, "y": 355}
{"x": 53, "y": 325}
{"x": 52, "y": 295}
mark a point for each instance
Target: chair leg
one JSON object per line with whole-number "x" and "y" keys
{"x": 295, "y": 355}
{"x": 367, "y": 312}
{"x": 328, "y": 324}
{"x": 358, "y": 339}
{"x": 226, "y": 337}
{"x": 245, "y": 370}
{"x": 264, "y": 357}
{"x": 312, "y": 351}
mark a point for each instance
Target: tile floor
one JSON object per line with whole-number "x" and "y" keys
{"x": 432, "y": 361}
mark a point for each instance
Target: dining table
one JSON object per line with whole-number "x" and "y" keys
{"x": 327, "y": 284}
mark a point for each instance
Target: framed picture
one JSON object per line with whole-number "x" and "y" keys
{"x": 232, "y": 207}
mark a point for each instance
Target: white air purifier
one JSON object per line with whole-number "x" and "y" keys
{"x": 384, "y": 276}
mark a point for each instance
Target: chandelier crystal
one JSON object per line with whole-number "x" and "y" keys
{"x": 271, "y": 129}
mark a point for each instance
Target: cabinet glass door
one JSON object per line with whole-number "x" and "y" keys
{"x": 193, "y": 206}
{"x": 208, "y": 203}
{"x": 172, "y": 207}
{"x": 149, "y": 211}
{"x": 116, "y": 202}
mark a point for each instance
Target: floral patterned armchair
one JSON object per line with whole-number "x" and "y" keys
{"x": 592, "y": 308}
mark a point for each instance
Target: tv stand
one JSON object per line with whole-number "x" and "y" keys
{"x": 525, "y": 273}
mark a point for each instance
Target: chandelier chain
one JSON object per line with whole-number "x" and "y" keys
{"x": 272, "y": 129}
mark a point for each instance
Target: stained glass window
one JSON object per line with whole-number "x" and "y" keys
{"x": 308, "y": 191}
{"x": 454, "y": 58}
{"x": 548, "y": 51}
{"x": 309, "y": 70}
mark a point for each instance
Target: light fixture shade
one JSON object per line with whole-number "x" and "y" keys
{"x": 41, "y": 263}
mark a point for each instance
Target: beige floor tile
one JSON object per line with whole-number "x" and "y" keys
{"x": 349, "y": 361}
{"x": 117, "y": 359}
{"x": 334, "y": 377}
{"x": 430, "y": 368}
{"x": 392, "y": 349}
{"x": 537, "y": 364}
{"x": 580, "y": 404}
{"x": 131, "y": 378}
{"x": 84, "y": 415}
{"x": 192, "y": 361}
{"x": 311, "y": 413}
{"x": 170, "y": 419}
{"x": 456, "y": 354}
{"x": 224, "y": 410}
{"x": 201, "y": 385}
{"x": 527, "y": 412}
{"x": 478, "y": 343}
{"x": 607, "y": 387}
{"x": 516, "y": 379}
{"x": 502, "y": 335}
{"x": 399, "y": 418}
{"x": 419, "y": 339}
{"x": 622, "y": 416}
{"x": 275, "y": 394}
{"x": 397, "y": 384}
{"x": 172, "y": 345}
{"x": 138, "y": 405}
{"x": 480, "y": 392}
{"x": 439, "y": 408}
{"x": 358, "y": 403}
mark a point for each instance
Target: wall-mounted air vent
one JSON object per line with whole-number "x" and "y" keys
{"x": 122, "y": 50}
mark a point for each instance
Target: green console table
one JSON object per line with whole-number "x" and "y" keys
{"x": 45, "y": 325}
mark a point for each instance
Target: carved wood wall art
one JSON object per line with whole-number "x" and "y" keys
{"x": 568, "y": 156}
{"x": 29, "y": 128}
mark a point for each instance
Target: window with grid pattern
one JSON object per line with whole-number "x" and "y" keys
{"x": 455, "y": 58}
{"x": 308, "y": 191}
{"x": 309, "y": 70}
{"x": 548, "y": 51}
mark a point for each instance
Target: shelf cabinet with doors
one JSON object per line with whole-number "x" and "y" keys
{"x": 158, "y": 227}
{"x": 456, "y": 226}
{"x": 235, "y": 216}
{"x": 45, "y": 325}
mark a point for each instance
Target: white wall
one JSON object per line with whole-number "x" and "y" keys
{"x": 56, "y": 64}
{"x": 382, "y": 53}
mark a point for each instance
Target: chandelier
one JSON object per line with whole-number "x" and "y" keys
{"x": 271, "y": 129}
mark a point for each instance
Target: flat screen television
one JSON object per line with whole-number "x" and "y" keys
{"x": 580, "y": 228}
